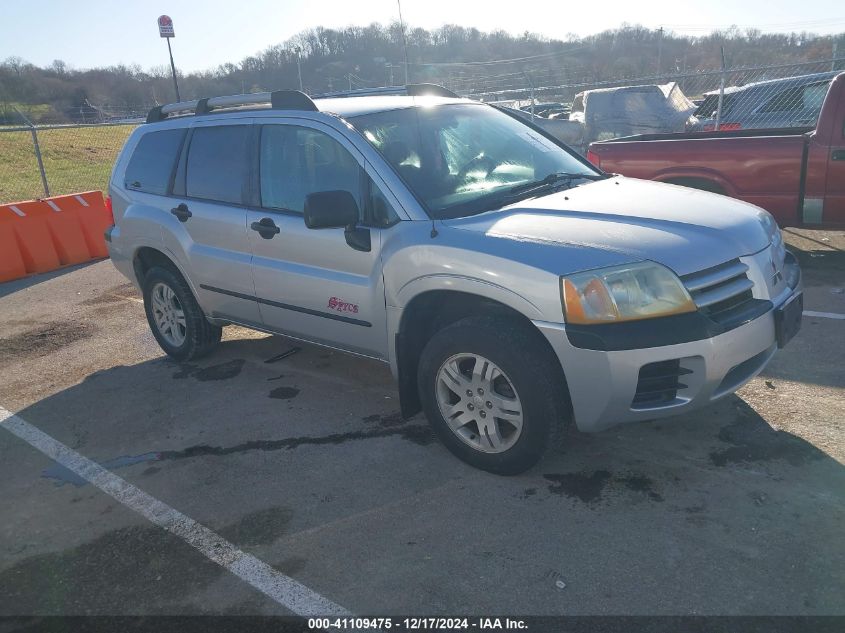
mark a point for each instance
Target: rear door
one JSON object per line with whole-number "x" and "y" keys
{"x": 311, "y": 283}
{"x": 207, "y": 225}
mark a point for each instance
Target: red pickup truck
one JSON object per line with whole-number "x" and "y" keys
{"x": 796, "y": 175}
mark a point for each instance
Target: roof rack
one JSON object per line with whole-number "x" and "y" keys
{"x": 411, "y": 90}
{"x": 278, "y": 100}
{"x": 288, "y": 100}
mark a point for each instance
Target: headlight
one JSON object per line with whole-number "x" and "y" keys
{"x": 770, "y": 226}
{"x": 775, "y": 237}
{"x": 624, "y": 293}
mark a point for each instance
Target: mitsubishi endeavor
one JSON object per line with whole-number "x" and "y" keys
{"x": 511, "y": 286}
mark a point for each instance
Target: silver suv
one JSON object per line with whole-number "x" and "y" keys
{"x": 510, "y": 285}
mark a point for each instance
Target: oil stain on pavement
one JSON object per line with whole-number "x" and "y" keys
{"x": 590, "y": 488}
{"x": 417, "y": 434}
{"x": 43, "y": 340}
{"x": 284, "y": 393}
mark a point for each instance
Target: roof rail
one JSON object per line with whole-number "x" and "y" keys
{"x": 278, "y": 100}
{"x": 411, "y": 90}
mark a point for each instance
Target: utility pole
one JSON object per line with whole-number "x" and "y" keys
{"x": 659, "y": 48}
{"x": 299, "y": 66}
{"x": 404, "y": 41}
{"x": 835, "y": 46}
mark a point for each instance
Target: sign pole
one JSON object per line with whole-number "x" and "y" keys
{"x": 165, "y": 30}
{"x": 173, "y": 70}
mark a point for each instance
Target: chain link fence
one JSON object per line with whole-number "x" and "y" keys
{"x": 737, "y": 98}
{"x": 50, "y": 160}
{"x": 36, "y": 161}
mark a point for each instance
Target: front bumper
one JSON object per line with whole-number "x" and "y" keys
{"x": 603, "y": 385}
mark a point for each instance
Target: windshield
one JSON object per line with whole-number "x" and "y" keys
{"x": 462, "y": 159}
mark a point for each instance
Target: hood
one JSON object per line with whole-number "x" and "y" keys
{"x": 685, "y": 229}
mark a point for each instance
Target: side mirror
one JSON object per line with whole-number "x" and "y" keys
{"x": 337, "y": 210}
{"x": 330, "y": 210}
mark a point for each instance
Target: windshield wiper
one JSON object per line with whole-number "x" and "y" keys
{"x": 518, "y": 192}
{"x": 552, "y": 181}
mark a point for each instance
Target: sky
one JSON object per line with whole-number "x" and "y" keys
{"x": 211, "y": 32}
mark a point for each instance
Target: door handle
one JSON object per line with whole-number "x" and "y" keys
{"x": 837, "y": 154}
{"x": 266, "y": 228}
{"x": 181, "y": 212}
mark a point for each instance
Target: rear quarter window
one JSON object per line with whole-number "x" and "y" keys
{"x": 217, "y": 163}
{"x": 152, "y": 162}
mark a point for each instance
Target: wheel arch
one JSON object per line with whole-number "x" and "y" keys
{"x": 430, "y": 311}
{"x": 703, "y": 180}
{"x": 145, "y": 257}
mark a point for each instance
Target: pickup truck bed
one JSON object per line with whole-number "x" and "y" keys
{"x": 798, "y": 175}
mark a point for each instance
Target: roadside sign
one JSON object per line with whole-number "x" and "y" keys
{"x": 165, "y": 26}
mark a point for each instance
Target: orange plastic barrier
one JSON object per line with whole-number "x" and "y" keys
{"x": 90, "y": 209}
{"x": 65, "y": 231}
{"x": 33, "y": 238}
{"x": 41, "y": 235}
{"x": 11, "y": 260}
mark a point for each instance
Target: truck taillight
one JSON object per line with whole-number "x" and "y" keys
{"x": 109, "y": 208}
{"x": 594, "y": 158}
{"x": 723, "y": 127}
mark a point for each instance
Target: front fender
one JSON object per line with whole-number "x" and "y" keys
{"x": 451, "y": 283}
{"x": 469, "y": 285}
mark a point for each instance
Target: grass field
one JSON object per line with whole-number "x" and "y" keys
{"x": 75, "y": 159}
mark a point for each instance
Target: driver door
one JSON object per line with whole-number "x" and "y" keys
{"x": 310, "y": 283}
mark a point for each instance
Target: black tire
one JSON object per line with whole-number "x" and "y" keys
{"x": 201, "y": 337}
{"x": 528, "y": 363}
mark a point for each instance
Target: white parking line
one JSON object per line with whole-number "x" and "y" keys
{"x": 825, "y": 315}
{"x": 282, "y": 589}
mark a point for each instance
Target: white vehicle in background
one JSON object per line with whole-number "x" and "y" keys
{"x": 608, "y": 113}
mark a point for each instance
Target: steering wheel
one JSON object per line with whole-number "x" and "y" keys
{"x": 480, "y": 162}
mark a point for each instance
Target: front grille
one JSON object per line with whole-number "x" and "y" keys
{"x": 722, "y": 292}
{"x": 659, "y": 383}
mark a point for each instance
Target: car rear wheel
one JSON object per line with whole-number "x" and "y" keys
{"x": 176, "y": 319}
{"x": 492, "y": 392}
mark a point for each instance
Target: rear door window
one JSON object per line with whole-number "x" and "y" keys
{"x": 152, "y": 162}
{"x": 217, "y": 164}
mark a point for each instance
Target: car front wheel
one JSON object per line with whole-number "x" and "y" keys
{"x": 492, "y": 392}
